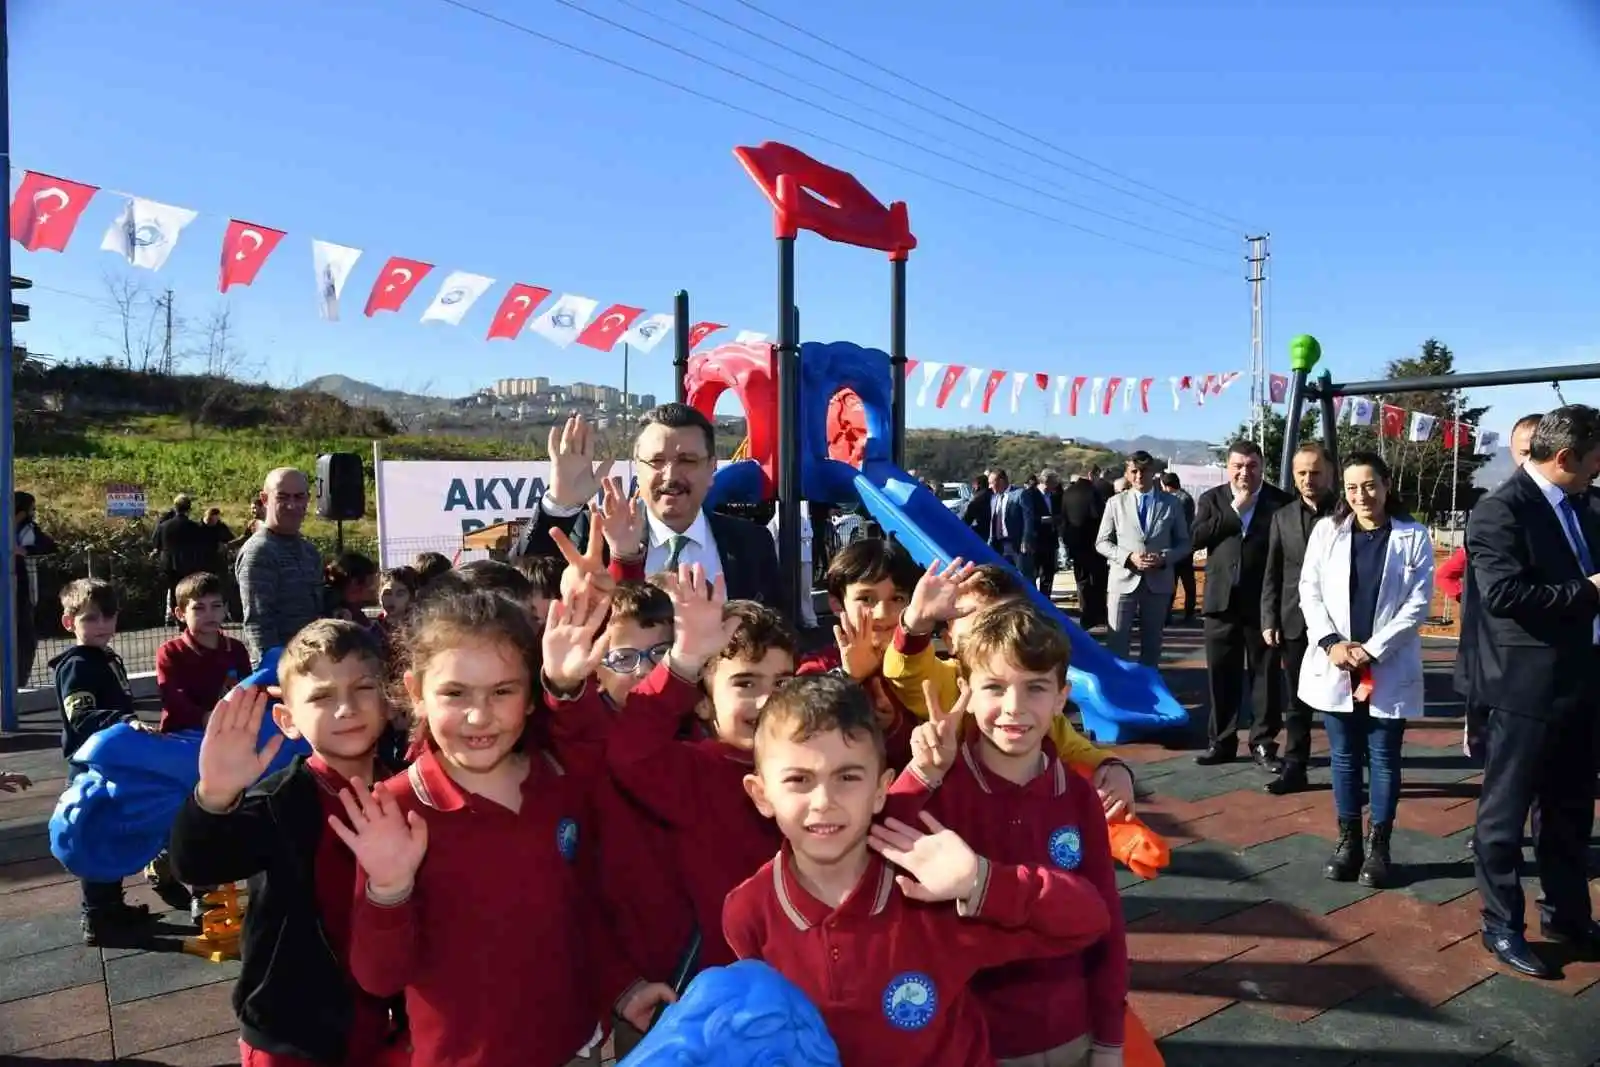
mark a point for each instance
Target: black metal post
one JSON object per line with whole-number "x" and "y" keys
{"x": 897, "y": 360}
{"x": 788, "y": 434}
{"x": 9, "y": 682}
{"x": 1291, "y": 428}
{"x": 1577, "y": 372}
{"x": 680, "y": 345}
{"x": 1330, "y": 420}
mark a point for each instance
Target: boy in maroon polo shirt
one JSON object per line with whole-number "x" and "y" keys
{"x": 886, "y": 958}
{"x": 996, "y": 785}
{"x": 195, "y": 669}
{"x": 869, "y": 585}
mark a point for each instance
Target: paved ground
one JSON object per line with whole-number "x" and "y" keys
{"x": 1245, "y": 956}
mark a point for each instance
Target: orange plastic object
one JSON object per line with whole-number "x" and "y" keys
{"x": 847, "y": 428}
{"x": 1139, "y": 848}
{"x": 831, "y": 203}
{"x": 220, "y": 927}
{"x": 1138, "y": 1047}
{"x": 747, "y": 370}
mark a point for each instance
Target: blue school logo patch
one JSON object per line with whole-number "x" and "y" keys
{"x": 910, "y": 1001}
{"x": 567, "y": 839}
{"x": 1066, "y": 848}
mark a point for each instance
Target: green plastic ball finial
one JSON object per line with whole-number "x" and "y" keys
{"x": 1304, "y": 351}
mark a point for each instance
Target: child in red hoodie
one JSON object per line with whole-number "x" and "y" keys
{"x": 887, "y": 959}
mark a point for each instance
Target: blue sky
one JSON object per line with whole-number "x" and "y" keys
{"x": 1425, "y": 168}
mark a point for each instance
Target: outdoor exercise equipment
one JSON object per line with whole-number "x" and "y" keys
{"x": 116, "y": 814}
{"x": 811, "y": 406}
{"x": 221, "y": 924}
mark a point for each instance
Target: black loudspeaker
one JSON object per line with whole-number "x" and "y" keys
{"x": 341, "y": 487}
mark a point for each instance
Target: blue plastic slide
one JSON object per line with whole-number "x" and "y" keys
{"x": 1120, "y": 701}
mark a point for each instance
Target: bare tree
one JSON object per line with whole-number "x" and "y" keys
{"x": 221, "y": 365}
{"x": 139, "y": 324}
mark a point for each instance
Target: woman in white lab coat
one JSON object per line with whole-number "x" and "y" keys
{"x": 1365, "y": 589}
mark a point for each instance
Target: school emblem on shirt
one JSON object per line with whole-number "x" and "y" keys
{"x": 1066, "y": 848}
{"x": 567, "y": 839}
{"x": 910, "y": 1001}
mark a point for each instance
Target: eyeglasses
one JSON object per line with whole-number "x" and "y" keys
{"x": 630, "y": 660}
{"x": 687, "y": 461}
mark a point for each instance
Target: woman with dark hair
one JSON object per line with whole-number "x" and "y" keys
{"x": 1365, "y": 589}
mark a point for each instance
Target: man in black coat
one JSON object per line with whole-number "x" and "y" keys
{"x": 1081, "y": 511}
{"x": 677, "y": 459}
{"x": 1183, "y": 569}
{"x": 1232, "y": 525}
{"x": 1532, "y": 603}
{"x": 1047, "y": 531}
{"x": 977, "y": 512}
{"x": 1283, "y": 625}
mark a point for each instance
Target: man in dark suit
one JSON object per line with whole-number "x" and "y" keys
{"x": 1283, "y": 626}
{"x": 976, "y": 513}
{"x": 1232, "y": 523}
{"x": 1081, "y": 512}
{"x": 1047, "y": 531}
{"x": 676, "y": 456}
{"x": 1011, "y": 522}
{"x": 1183, "y": 569}
{"x": 1532, "y": 601}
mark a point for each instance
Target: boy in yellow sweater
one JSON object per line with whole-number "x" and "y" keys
{"x": 952, "y": 595}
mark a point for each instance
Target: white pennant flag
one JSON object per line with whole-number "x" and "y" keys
{"x": 1019, "y": 379}
{"x": 1173, "y": 381}
{"x": 1095, "y": 389}
{"x": 565, "y": 319}
{"x": 1062, "y": 381}
{"x": 749, "y": 337}
{"x": 647, "y": 333}
{"x": 1128, "y": 386}
{"x": 333, "y": 265}
{"x": 1421, "y": 426}
{"x": 931, "y": 372}
{"x": 1361, "y": 411}
{"x": 146, "y": 232}
{"x": 974, "y": 376}
{"x": 457, "y": 293}
{"x": 1488, "y": 441}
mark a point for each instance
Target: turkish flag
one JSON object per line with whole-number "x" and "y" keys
{"x": 1041, "y": 380}
{"x": 952, "y": 375}
{"x": 1451, "y": 431}
{"x": 605, "y": 331}
{"x": 1393, "y": 422}
{"x": 911, "y": 365}
{"x": 1278, "y": 389}
{"x": 1144, "y": 393}
{"x": 1111, "y": 394}
{"x": 46, "y": 209}
{"x": 398, "y": 278}
{"x": 1077, "y": 390}
{"x": 245, "y": 246}
{"x": 514, "y": 311}
{"x": 995, "y": 378}
{"x": 701, "y": 330}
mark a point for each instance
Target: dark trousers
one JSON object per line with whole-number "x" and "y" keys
{"x": 1297, "y": 714}
{"x": 1552, "y": 764}
{"x": 100, "y": 896}
{"x": 1044, "y": 565}
{"x": 1477, "y": 728}
{"x": 27, "y": 640}
{"x": 1233, "y": 647}
{"x": 1091, "y": 571}
{"x": 1183, "y": 572}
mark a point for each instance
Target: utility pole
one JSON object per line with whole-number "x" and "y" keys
{"x": 1260, "y": 373}
{"x": 166, "y": 351}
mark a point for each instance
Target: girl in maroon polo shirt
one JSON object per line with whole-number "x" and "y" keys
{"x": 478, "y": 886}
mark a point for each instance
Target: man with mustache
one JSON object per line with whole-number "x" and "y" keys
{"x": 676, "y": 459}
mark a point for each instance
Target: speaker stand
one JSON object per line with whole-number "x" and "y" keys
{"x": 338, "y": 536}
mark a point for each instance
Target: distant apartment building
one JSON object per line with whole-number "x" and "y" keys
{"x": 540, "y": 393}
{"x": 522, "y": 387}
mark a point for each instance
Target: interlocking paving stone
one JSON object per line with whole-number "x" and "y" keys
{"x": 95, "y": 1048}
{"x": 1245, "y": 1035}
{"x": 173, "y": 1018}
{"x": 1303, "y": 882}
{"x": 1167, "y": 1013}
{"x": 33, "y": 845}
{"x": 21, "y": 937}
{"x": 1434, "y": 869}
{"x": 1387, "y": 1021}
{"x": 219, "y": 1051}
{"x": 46, "y": 972}
{"x": 1537, "y": 1021}
{"x": 148, "y": 974}
{"x": 53, "y": 1018}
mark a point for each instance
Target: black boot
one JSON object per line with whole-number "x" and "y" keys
{"x": 1347, "y": 856}
{"x": 1375, "y": 871}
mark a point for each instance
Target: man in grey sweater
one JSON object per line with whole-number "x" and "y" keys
{"x": 279, "y": 571}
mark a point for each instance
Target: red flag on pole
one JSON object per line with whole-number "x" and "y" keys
{"x": 604, "y": 332}
{"x": 46, "y": 209}
{"x": 245, "y": 246}
{"x": 1393, "y": 422}
{"x": 1111, "y": 395}
{"x": 995, "y": 378}
{"x": 1077, "y": 389}
{"x": 395, "y": 283}
{"x": 952, "y": 375}
{"x": 514, "y": 311}
{"x": 701, "y": 330}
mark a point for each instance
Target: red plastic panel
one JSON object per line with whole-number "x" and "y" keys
{"x": 748, "y": 371}
{"x": 808, "y": 195}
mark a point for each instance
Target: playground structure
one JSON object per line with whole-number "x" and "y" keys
{"x": 827, "y": 424}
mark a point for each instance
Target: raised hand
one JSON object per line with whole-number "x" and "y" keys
{"x": 934, "y": 599}
{"x": 940, "y": 864}
{"x": 699, "y": 631}
{"x": 573, "y": 645}
{"x": 574, "y": 478}
{"x": 586, "y": 571}
{"x": 936, "y": 743}
{"x": 859, "y": 656}
{"x": 230, "y": 763}
{"x": 640, "y": 1005}
{"x": 388, "y": 844}
{"x": 14, "y": 781}
{"x": 621, "y": 520}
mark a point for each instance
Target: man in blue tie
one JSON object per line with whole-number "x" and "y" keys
{"x": 1011, "y": 523}
{"x": 1142, "y": 534}
{"x": 1532, "y": 604}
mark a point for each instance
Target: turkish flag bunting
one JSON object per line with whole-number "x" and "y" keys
{"x": 514, "y": 310}
{"x": 46, "y": 209}
{"x": 1451, "y": 431}
{"x": 1042, "y": 381}
{"x": 911, "y": 365}
{"x": 1394, "y": 421}
{"x": 395, "y": 283}
{"x": 995, "y": 378}
{"x": 1144, "y": 393}
{"x": 701, "y": 330}
{"x": 604, "y": 332}
{"x": 245, "y": 246}
{"x": 1077, "y": 389}
{"x": 1111, "y": 393}
{"x": 952, "y": 375}
{"x": 1278, "y": 389}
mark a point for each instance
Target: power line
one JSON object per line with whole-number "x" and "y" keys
{"x": 880, "y": 131}
{"x": 819, "y": 138}
{"x": 983, "y": 115}
{"x": 980, "y": 131}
